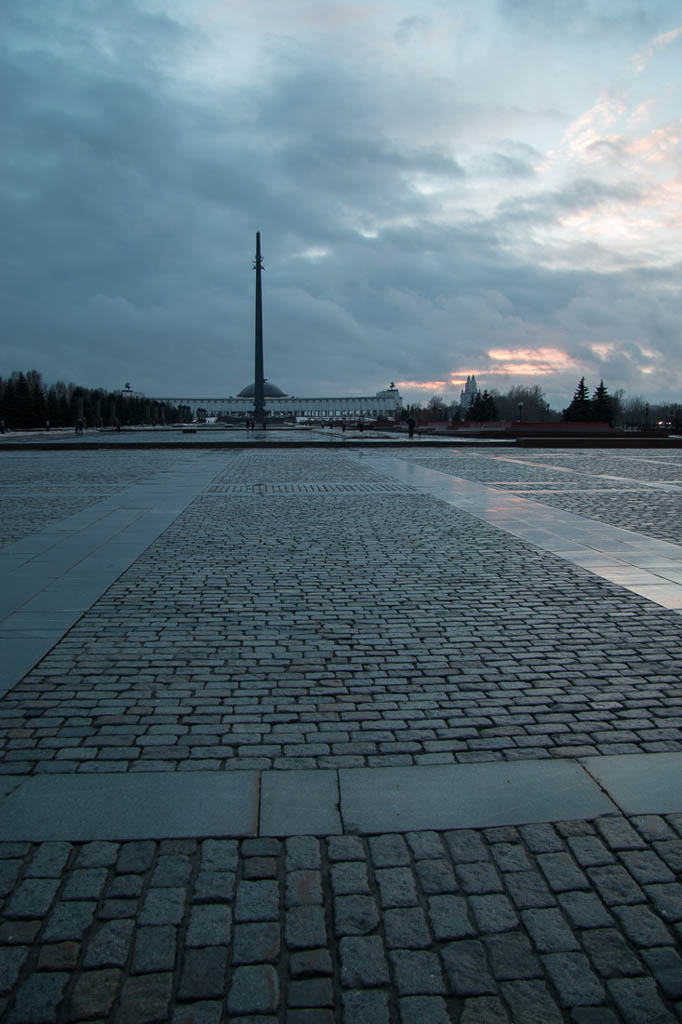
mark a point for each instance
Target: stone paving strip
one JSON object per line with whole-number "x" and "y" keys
{"x": 41, "y": 488}
{"x": 645, "y": 566}
{"x": 614, "y": 487}
{"x": 353, "y": 800}
{"x": 53, "y": 576}
{"x": 577, "y": 922}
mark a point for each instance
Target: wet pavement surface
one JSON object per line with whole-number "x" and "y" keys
{"x": 307, "y": 615}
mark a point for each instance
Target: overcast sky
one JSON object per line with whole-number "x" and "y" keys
{"x": 443, "y": 187}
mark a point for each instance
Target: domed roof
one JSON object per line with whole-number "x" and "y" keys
{"x": 270, "y": 391}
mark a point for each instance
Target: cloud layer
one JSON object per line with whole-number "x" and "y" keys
{"x": 491, "y": 188}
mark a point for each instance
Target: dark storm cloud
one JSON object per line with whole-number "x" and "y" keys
{"x": 132, "y": 188}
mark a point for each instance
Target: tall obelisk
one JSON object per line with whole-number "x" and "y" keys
{"x": 259, "y": 390}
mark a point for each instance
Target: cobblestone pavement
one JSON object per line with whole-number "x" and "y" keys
{"x": 574, "y": 922}
{"x": 625, "y": 488}
{"x": 39, "y": 488}
{"x": 308, "y": 612}
{"x": 310, "y": 629}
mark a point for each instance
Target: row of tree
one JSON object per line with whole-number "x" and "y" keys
{"x": 26, "y": 403}
{"x": 529, "y": 404}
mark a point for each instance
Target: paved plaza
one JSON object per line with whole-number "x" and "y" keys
{"x": 309, "y": 735}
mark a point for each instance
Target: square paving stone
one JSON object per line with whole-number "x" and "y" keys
{"x": 645, "y": 867}
{"x": 417, "y": 972}
{"x": 511, "y": 957}
{"x": 11, "y": 962}
{"x": 510, "y": 857}
{"x": 615, "y": 885}
{"x": 666, "y": 966}
{"x": 642, "y": 927}
{"x": 257, "y": 901}
{"x": 478, "y": 877}
{"x": 436, "y": 876}
{"x": 638, "y": 1001}
{"x": 467, "y": 969}
{"x": 69, "y": 920}
{"x": 38, "y": 999}
{"x": 110, "y": 945}
{"x": 94, "y": 994}
{"x": 667, "y": 900}
{"x": 396, "y": 887}
{"x": 85, "y": 884}
{"x": 549, "y": 931}
{"x": 355, "y": 915}
{"x": 425, "y": 845}
{"x": 423, "y": 1010}
{"x": 449, "y": 916}
{"x": 388, "y": 851}
{"x": 345, "y": 848}
{"x": 256, "y": 943}
{"x": 610, "y": 954}
{"x": 585, "y": 910}
{"x": 575, "y": 982}
{"x": 309, "y": 963}
{"x": 32, "y": 898}
{"x": 484, "y": 1010}
{"x": 406, "y": 928}
{"x": 311, "y": 992}
{"x": 305, "y": 927}
{"x": 303, "y": 886}
{"x": 210, "y": 924}
{"x": 561, "y": 872}
{"x": 302, "y": 852}
{"x": 493, "y": 913}
{"x": 163, "y": 906}
{"x": 530, "y": 1002}
{"x": 154, "y": 949}
{"x": 204, "y": 973}
{"x": 254, "y": 990}
{"x": 363, "y": 963}
{"x": 58, "y": 956}
{"x": 145, "y": 998}
{"x": 349, "y": 877}
{"x": 49, "y": 860}
{"x": 202, "y": 1012}
{"x": 367, "y": 1006}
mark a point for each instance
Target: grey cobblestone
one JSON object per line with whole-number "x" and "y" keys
{"x": 474, "y": 947}
{"x": 363, "y": 963}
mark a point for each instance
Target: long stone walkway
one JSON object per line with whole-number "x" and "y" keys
{"x": 313, "y": 736}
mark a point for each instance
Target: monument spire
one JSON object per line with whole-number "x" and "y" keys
{"x": 259, "y": 388}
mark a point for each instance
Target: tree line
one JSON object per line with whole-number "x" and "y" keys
{"x": 26, "y": 402}
{"x": 529, "y": 404}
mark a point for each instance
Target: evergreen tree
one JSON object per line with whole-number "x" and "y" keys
{"x": 23, "y": 405}
{"x": 601, "y": 404}
{"x": 580, "y": 409}
{"x": 483, "y": 408}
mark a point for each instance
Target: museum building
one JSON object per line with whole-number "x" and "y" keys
{"x": 385, "y": 405}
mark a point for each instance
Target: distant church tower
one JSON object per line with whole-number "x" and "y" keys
{"x": 467, "y": 396}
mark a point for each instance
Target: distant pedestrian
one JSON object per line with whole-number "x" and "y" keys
{"x": 3, "y": 428}
{"x": 410, "y": 427}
